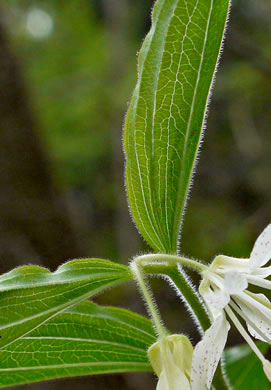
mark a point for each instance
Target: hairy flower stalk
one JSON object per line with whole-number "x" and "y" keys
{"x": 224, "y": 290}
{"x": 172, "y": 357}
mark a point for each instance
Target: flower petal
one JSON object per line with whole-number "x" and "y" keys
{"x": 263, "y": 272}
{"x": 217, "y": 299}
{"x": 235, "y": 282}
{"x": 182, "y": 351}
{"x": 223, "y": 264}
{"x": 259, "y": 281}
{"x": 261, "y": 252}
{"x": 171, "y": 359}
{"x": 256, "y": 315}
{"x": 208, "y": 352}
{"x": 174, "y": 380}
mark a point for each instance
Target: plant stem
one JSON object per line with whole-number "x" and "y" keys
{"x": 193, "y": 301}
{"x": 148, "y": 297}
{"x": 187, "y": 291}
{"x": 171, "y": 259}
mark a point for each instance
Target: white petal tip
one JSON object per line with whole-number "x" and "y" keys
{"x": 267, "y": 369}
{"x": 261, "y": 252}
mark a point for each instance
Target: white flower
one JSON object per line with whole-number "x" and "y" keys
{"x": 179, "y": 367}
{"x": 171, "y": 359}
{"x": 224, "y": 289}
{"x": 208, "y": 352}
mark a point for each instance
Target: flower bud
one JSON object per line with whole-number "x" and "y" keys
{"x": 171, "y": 359}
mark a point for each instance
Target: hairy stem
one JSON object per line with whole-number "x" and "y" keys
{"x": 193, "y": 301}
{"x": 148, "y": 297}
{"x": 186, "y": 290}
{"x": 171, "y": 259}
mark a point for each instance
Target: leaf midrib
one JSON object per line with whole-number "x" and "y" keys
{"x": 126, "y": 273}
{"x": 153, "y": 121}
{"x": 76, "y": 339}
{"x": 55, "y": 311}
{"x": 180, "y": 201}
{"x": 147, "y": 365}
{"x": 152, "y": 218}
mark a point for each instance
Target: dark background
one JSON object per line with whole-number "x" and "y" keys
{"x": 67, "y": 70}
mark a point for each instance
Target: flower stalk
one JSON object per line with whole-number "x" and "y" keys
{"x": 148, "y": 297}
{"x": 168, "y": 265}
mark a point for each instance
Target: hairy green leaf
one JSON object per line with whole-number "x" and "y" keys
{"x": 31, "y": 295}
{"x": 86, "y": 339}
{"x": 244, "y": 369}
{"x": 165, "y": 119}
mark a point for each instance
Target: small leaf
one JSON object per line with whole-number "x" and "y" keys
{"x": 244, "y": 369}
{"x": 30, "y": 295}
{"x": 164, "y": 123}
{"x": 87, "y": 339}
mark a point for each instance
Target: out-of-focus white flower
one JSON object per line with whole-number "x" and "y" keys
{"x": 224, "y": 290}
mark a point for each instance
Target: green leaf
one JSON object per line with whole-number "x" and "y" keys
{"x": 165, "y": 119}
{"x": 84, "y": 340}
{"x": 31, "y": 295}
{"x": 244, "y": 369}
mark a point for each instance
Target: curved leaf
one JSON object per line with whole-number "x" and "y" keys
{"x": 30, "y": 295}
{"x": 87, "y": 339}
{"x": 165, "y": 119}
{"x": 244, "y": 369}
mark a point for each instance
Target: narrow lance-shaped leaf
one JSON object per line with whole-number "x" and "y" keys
{"x": 84, "y": 340}
{"x": 165, "y": 119}
{"x": 31, "y": 295}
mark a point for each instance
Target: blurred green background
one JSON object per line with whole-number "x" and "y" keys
{"x": 67, "y": 70}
